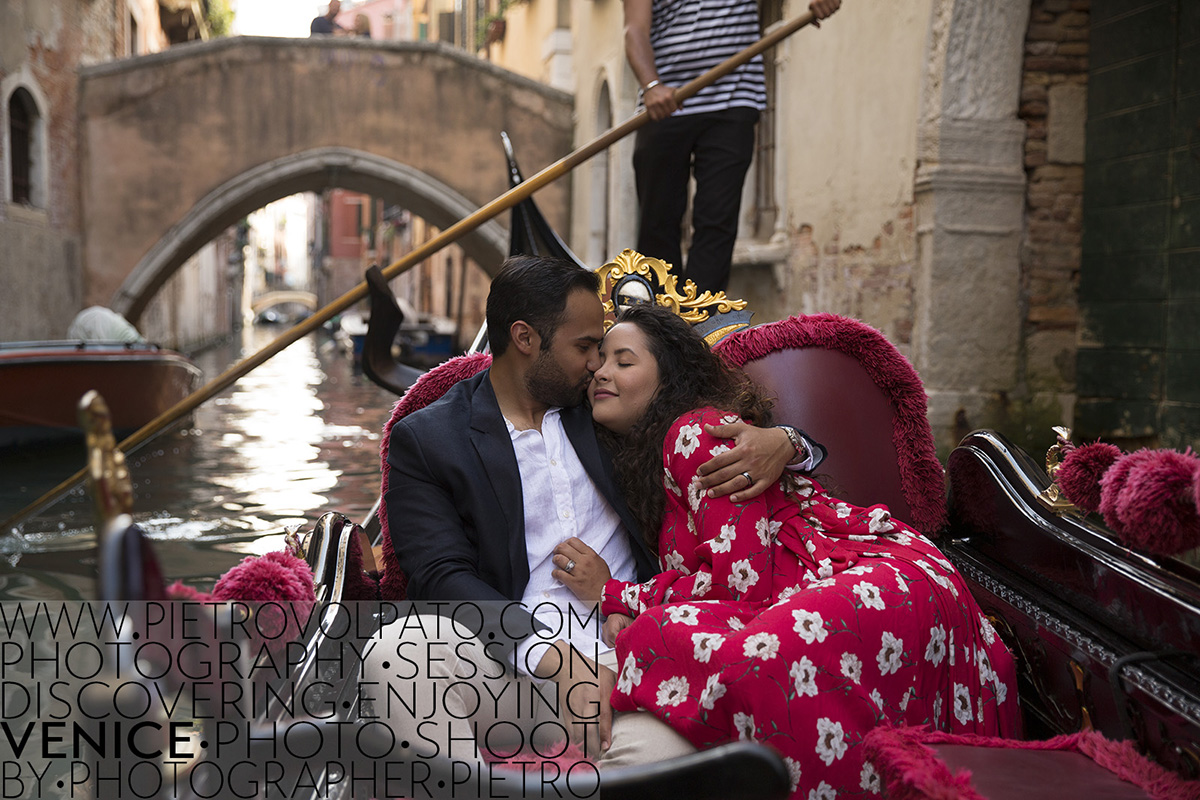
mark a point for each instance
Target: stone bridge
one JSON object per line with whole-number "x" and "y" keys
{"x": 176, "y": 146}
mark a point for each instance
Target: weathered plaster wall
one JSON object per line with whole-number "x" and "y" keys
{"x": 601, "y": 66}
{"x": 849, "y": 100}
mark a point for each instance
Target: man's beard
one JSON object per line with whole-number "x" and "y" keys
{"x": 547, "y": 383}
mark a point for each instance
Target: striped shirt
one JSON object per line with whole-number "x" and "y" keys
{"x": 690, "y": 37}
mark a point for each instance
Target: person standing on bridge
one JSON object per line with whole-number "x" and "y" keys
{"x": 667, "y": 44}
{"x": 327, "y": 25}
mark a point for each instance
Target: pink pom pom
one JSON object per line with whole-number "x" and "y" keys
{"x": 1156, "y": 503}
{"x": 272, "y": 578}
{"x": 181, "y": 591}
{"x": 1113, "y": 482}
{"x": 1079, "y": 475}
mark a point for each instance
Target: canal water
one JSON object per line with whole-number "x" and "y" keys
{"x": 295, "y": 438}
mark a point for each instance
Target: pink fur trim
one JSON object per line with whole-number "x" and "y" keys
{"x": 1157, "y": 506}
{"x": 1113, "y": 483}
{"x": 912, "y": 770}
{"x": 922, "y": 478}
{"x": 1081, "y": 470}
{"x": 271, "y": 578}
{"x": 181, "y": 591}
{"x": 429, "y": 387}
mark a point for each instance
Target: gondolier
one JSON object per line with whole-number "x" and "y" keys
{"x": 710, "y": 138}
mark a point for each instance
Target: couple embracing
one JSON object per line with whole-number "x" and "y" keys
{"x": 740, "y": 600}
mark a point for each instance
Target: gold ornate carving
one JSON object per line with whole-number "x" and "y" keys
{"x": 108, "y": 475}
{"x": 1052, "y": 497}
{"x": 657, "y": 273}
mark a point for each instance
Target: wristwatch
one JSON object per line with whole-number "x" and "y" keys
{"x": 797, "y": 442}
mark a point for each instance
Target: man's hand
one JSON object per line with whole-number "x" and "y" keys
{"x": 613, "y": 626}
{"x": 588, "y": 571}
{"x": 660, "y": 102}
{"x": 821, "y": 9}
{"x": 760, "y": 452}
{"x": 584, "y": 691}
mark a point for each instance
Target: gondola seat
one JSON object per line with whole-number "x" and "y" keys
{"x": 844, "y": 383}
{"x": 920, "y": 764}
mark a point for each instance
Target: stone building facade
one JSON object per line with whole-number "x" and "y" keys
{"x": 1006, "y": 190}
{"x": 43, "y": 45}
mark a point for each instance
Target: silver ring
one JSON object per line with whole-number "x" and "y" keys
{"x": 570, "y": 565}
{"x": 749, "y": 480}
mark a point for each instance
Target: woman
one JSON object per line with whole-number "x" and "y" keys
{"x": 793, "y": 619}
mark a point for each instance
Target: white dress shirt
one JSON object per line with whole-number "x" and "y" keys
{"x": 561, "y": 501}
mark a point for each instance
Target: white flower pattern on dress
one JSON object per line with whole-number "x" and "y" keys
{"x": 794, "y": 771}
{"x": 687, "y": 441}
{"x": 809, "y": 625}
{"x": 768, "y": 531}
{"x": 631, "y": 676}
{"x": 761, "y": 645}
{"x": 823, "y": 792}
{"x": 852, "y": 667}
{"x": 881, "y": 521}
{"x": 670, "y": 484}
{"x": 744, "y": 724}
{"x": 804, "y": 677}
{"x": 723, "y": 541}
{"x": 713, "y": 691}
{"x": 870, "y": 595}
{"x": 831, "y": 740}
{"x": 673, "y": 560}
{"x": 935, "y": 651}
{"x": 704, "y": 644}
{"x": 869, "y": 780}
{"x": 742, "y": 576}
{"x": 683, "y": 614}
{"x": 962, "y": 703}
{"x": 702, "y": 584}
{"x": 890, "y": 651}
{"x": 673, "y": 691}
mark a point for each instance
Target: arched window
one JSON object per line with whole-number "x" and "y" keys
{"x": 22, "y": 131}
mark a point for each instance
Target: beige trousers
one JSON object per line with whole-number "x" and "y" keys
{"x": 439, "y": 689}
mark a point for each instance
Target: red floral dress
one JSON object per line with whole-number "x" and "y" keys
{"x": 803, "y": 622}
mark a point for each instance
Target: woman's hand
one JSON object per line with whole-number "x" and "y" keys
{"x": 587, "y": 572}
{"x": 761, "y": 453}
{"x": 614, "y": 625}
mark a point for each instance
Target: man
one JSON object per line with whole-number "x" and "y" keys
{"x": 667, "y": 44}
{"x": 326, "y": 24}
{"x": 486, "y": 485}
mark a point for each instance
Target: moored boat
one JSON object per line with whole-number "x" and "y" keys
{"x": 41, "y": 383}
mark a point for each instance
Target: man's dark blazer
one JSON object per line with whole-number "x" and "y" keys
{"x": 454, "y": 501}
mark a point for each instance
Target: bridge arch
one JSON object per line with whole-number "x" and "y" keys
{"x": 315, "y": 170}
{"x": 272, "y": 299}
{"x": 180, "y": 144}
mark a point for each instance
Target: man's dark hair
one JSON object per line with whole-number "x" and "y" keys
{"x": 533, "y": 289}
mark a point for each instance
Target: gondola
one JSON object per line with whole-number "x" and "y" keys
{"x": 1106, "y": 635}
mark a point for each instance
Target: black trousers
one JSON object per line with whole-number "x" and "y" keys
{"x": 718, "y": 148}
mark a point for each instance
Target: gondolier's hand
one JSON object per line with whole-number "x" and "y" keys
{"x": 613, "y": 626}
{"x": 760, "y": 453}
{"x": 660, "y": 101}
{"x": 822, "y": 9}
{"x": 580, "y": 569}
{"x": 584, "y": 688}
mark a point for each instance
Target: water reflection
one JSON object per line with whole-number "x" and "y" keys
{"x": 295, "y": 438}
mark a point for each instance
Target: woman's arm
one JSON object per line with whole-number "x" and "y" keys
{"x": 714, "y": 548}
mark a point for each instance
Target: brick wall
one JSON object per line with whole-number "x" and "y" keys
{"x": 1053, "y": 106}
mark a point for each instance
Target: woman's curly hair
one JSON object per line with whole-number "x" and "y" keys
{"x": 690, "y": 376}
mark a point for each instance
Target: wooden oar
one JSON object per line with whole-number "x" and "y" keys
{"x": 456, "y": 231}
